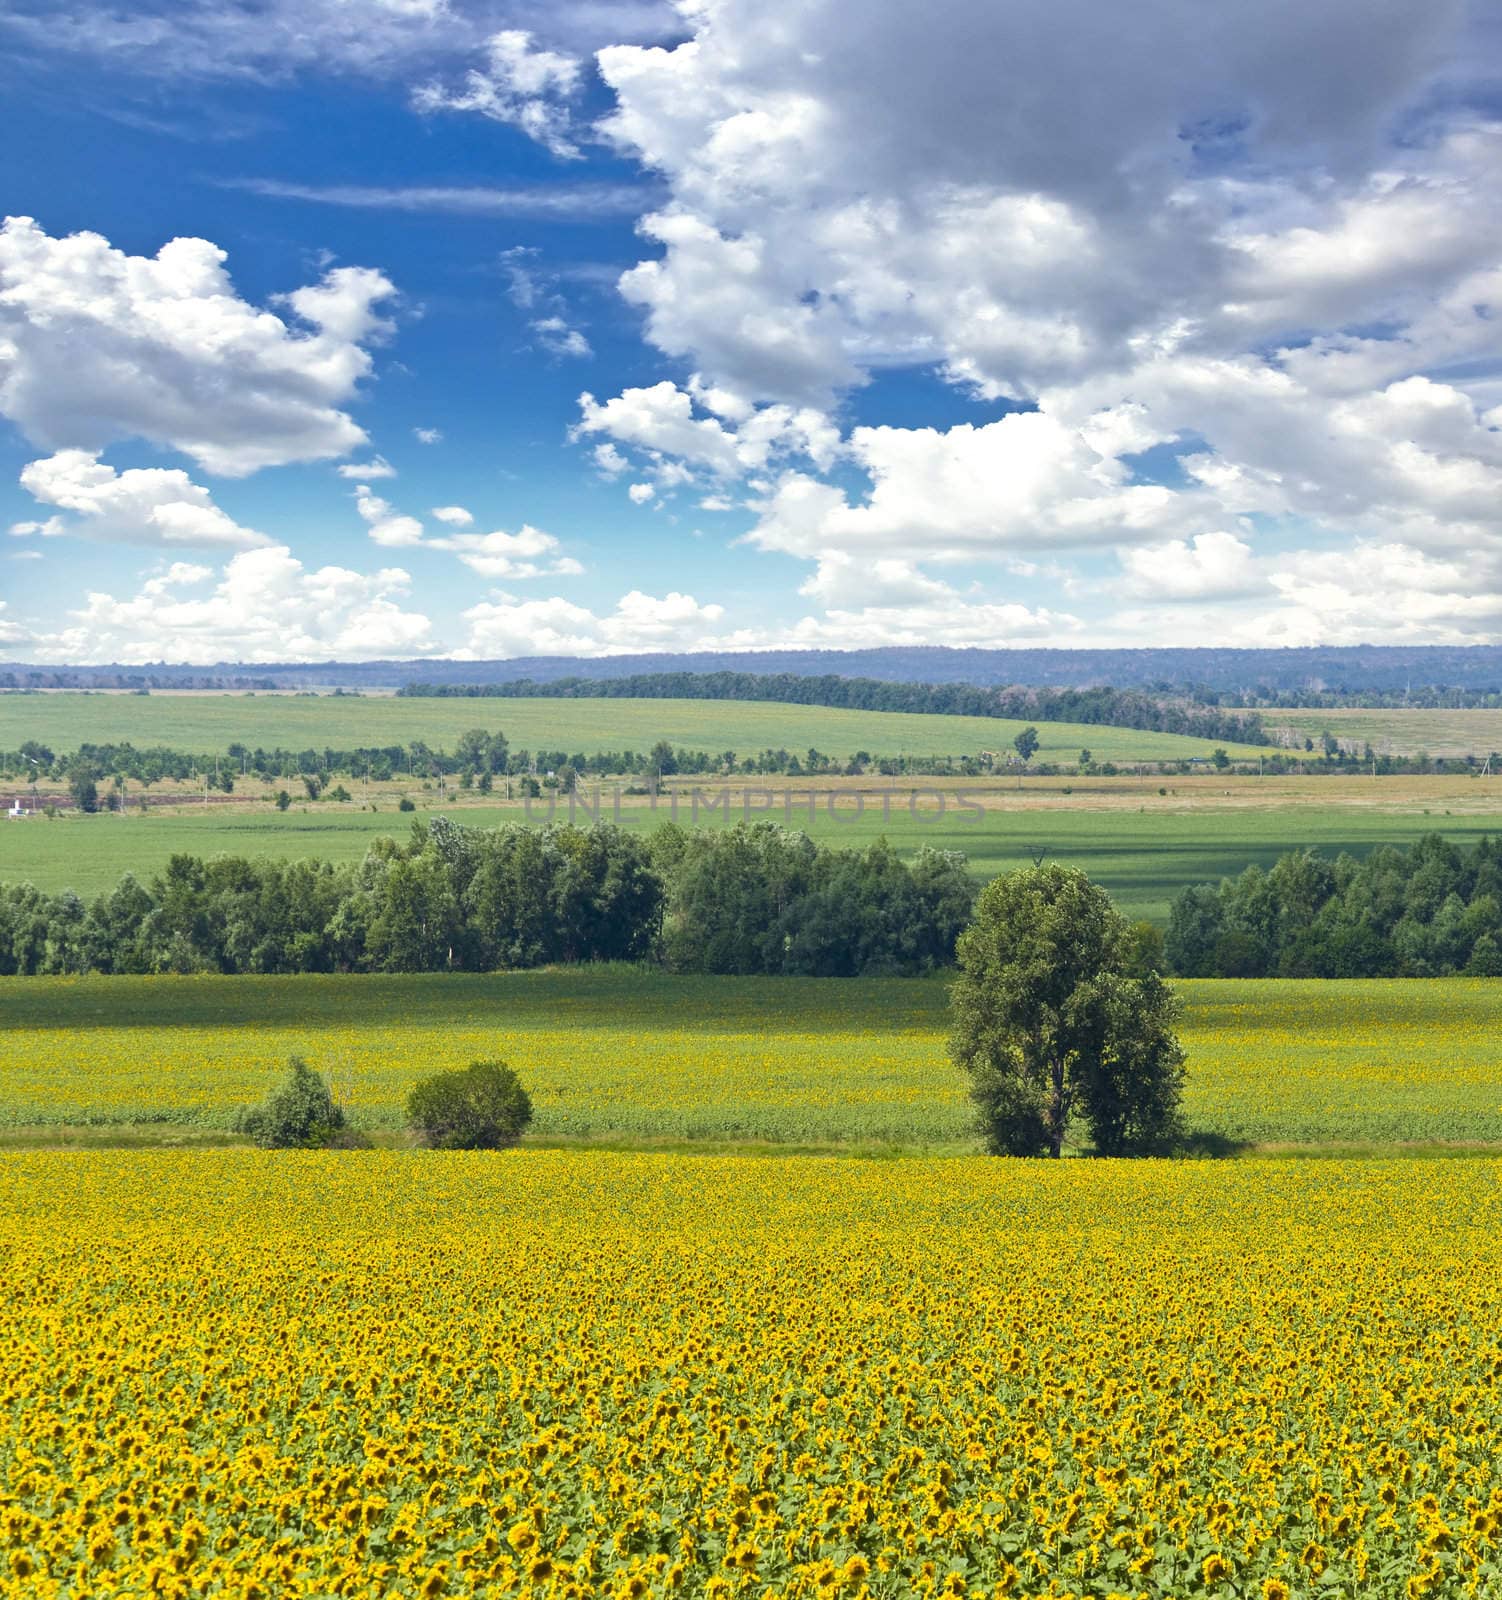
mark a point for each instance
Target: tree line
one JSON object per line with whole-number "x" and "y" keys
{"x": 1432, "y": 911}
{"x": 752, "y": 899}
{"x": 1120, "y": 708}
{"x": 97, "y": 774}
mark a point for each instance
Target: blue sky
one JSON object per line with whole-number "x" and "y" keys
{"x": 998, "y": 325}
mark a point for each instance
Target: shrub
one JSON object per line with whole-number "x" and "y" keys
{"x": 484, "y": 1107}
{"x": 404, "y": 804}
{"x": 299, "y": 1115}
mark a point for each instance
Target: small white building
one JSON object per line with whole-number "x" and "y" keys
{"x": 17, "y": 810}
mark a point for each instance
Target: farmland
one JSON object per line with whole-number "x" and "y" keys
{"x": 1398, "y": 730}
{"x": 629, "y": 1375}
{"x": 207, "y": 723}
{"x": 629, "y": 1055}
{"x": 1142, "y": 845}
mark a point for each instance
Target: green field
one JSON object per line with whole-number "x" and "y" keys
{"x": 1399, "y": 730}
{"x": 206, "y": 723}
{"x": 1144, "y": 857}
{"x": 632, "y": 1054}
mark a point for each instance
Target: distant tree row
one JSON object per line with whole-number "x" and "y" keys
{"x": 477, "y": 760}
{"x": 1119, "y": 708}
{"x": 751, "y": 899}
{"x": 1430, "y": 911}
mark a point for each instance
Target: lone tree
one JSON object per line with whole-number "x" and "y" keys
{"x": 299, "y": 1115}
{"x": 1026, "y": 743}
{"x": 484, "y": 1107}
{"x": 1049, "y": 1022}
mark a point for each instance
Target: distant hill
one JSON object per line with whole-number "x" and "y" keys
{"x": 1259, "y": 675}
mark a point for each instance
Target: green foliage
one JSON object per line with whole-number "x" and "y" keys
{"x": 1432, "y": 911}
{"x": 484, "y": 1107}
{"x": 760, "y": 898}
{"x": 84, "y": 789}
{"x": 1049, "y": 1023}
{"x": 1026, "y": 743}
{"x": 299, "y": 1115}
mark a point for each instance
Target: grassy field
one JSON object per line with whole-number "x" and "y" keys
{"x": 552, "y": 1373}
{"x": 1399, "y": 731}
{"x": 618, "y": 1053}
{"x": 1144, "y": 847}
{"x": 203, "y": 723}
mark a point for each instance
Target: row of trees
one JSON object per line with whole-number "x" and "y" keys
{"x": 753, "y": 899}
{"x": 1120, "y": 708}
{"x": 1430, "y": 911}
{"x": 477, "y": 760}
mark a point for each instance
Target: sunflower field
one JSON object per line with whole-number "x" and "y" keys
{"x": 582, "y": 1374}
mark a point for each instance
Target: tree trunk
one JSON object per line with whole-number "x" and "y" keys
{"x": 1056, "y": 1112}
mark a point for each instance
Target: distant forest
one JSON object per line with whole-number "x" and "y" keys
{"x": 1421, "y": 675}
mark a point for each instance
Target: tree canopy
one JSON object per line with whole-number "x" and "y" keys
{"x": 1051, "y": 1025}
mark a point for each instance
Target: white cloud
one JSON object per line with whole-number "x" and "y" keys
{"x": 566, "y": 202}
{"x": 264, "y": 606}
{"x": 933, "y": 194}
{"x": 428, "y": 435}
{"x": 97, "y": 345}
{"x": 660, "y": 421}
{"x": 528, "y": 553}
{"x": 1211, "y": 566}
{"x": 270, "y": 40}
{"x": 640, "y": 493}
{"x": 559, "y": 339}
{"x": 454, "y": 516}
{"x": 1229, "y": 260}
{"x": 521, "y": 85}
{"x": 507, "y": 626}
{"x": 387, "y": 525}
{"x": 144, "y": 505}
{"x": 366, "y": 471}
{"x": 609, "y": 461}
{"x": 12, "y": 633}
{"x": 1026, "y": 480}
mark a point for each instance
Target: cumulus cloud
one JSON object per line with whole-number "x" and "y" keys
{"x": 670, "y": 425}
{"x": 507, "y": 626}
{"x": 929, "y": 193}
{"x": 522, "y": 85}
{"x": 144, "y": 505}
{"x": 528, "y": 553}
{"x": 387, "y": 526}
{"x": 264, "y": 606}
{"x": 1232, "y": 296}
{"x": 1211, "y": 566}
{"x": 97, "y": 345}
{"x": 1026, "y": 480}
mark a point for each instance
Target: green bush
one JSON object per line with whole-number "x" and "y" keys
{"x": 484, "y": 1107}
{"x": 299, "y": 1115}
